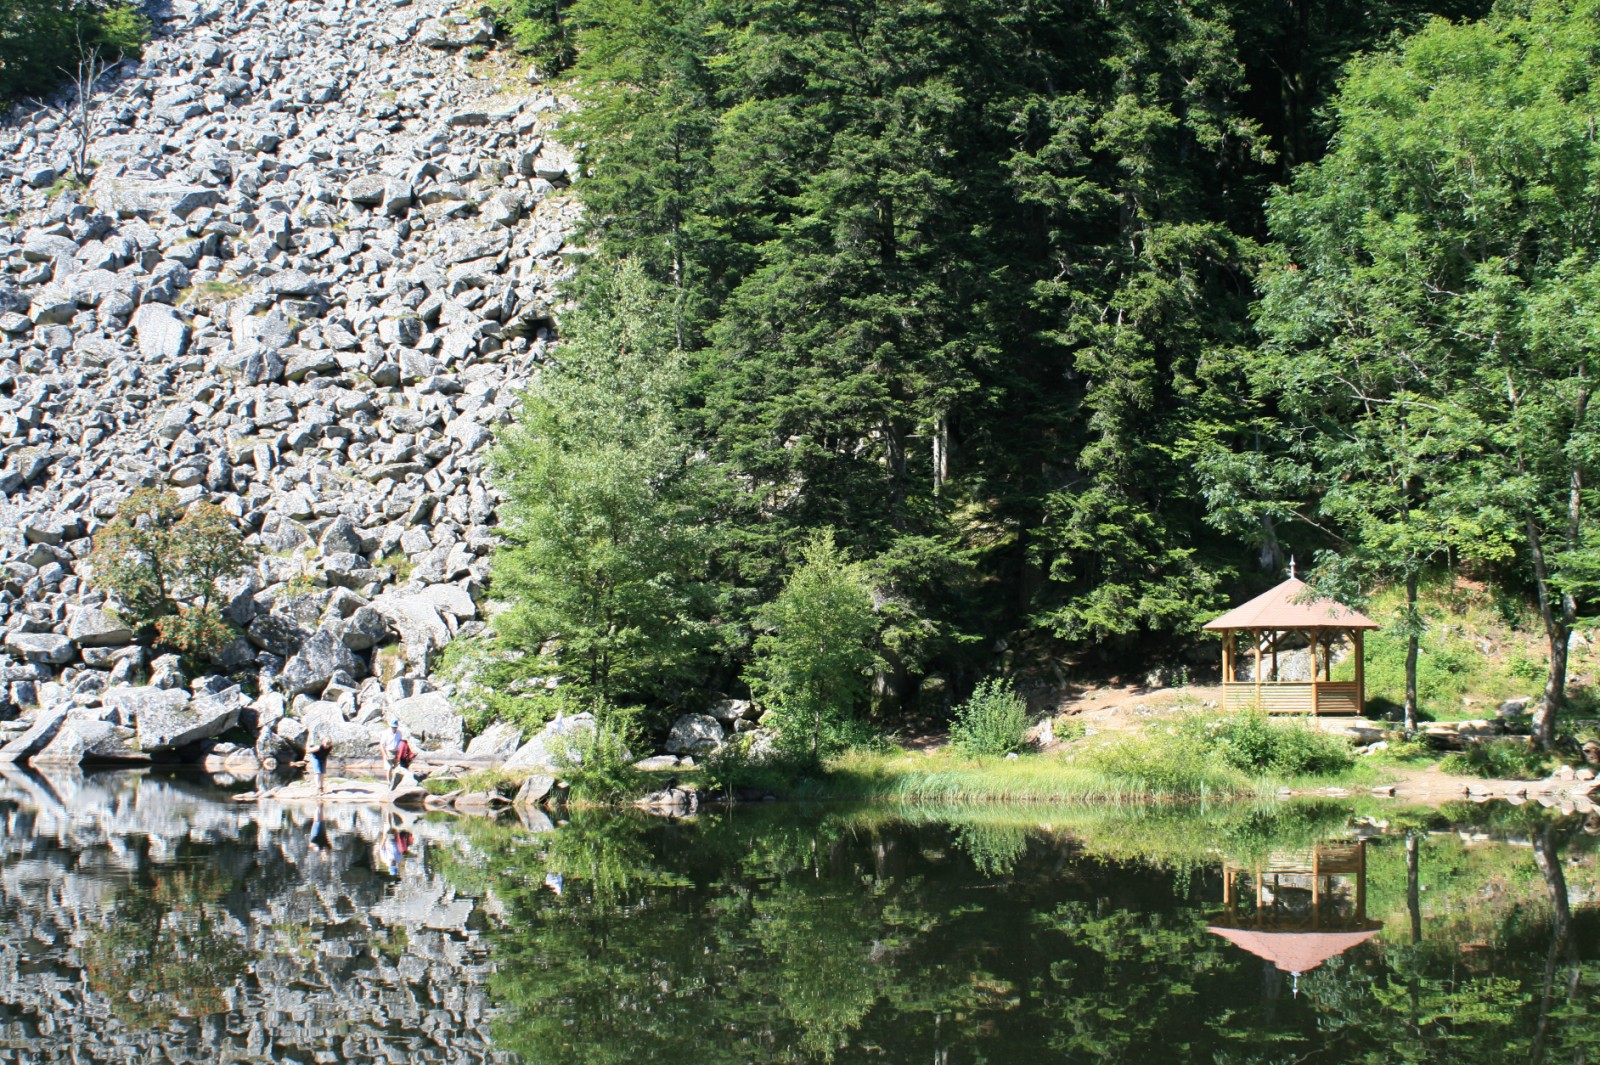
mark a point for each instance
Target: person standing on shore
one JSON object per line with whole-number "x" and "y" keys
{"x": 317, "y": 750}
{"x": 397, "y": 754}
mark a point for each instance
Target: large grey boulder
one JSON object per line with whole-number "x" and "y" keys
{"x": 534, "y": 790}
{"x": 87, "y": 739}
{"x": 694, "y": 734}
{"x": 453, "y": 32}
{"x": 496, "y": 743}
{"x": 430, "y": 720}
{"x": 419, "y": 616}
{"x": 170, "y": 723}
{"x": 40, "y": 733}
{"x": 162, "y": 334}
{"x": 557, "y": 746}
{"x": 94, "y": 627}
{"x": 129, "y": 703}
{"x": 65, "y": 749}
{"x": 324, "y": 721}
{"x": 730, "y": 711}
{"x": 318, "y": 659}
{"x": 45, "y": 647}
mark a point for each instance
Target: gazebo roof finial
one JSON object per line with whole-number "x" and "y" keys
{"x": 1291, "y": 567}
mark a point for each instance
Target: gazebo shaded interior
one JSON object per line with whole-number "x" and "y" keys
{"x": 1256, "y": 632}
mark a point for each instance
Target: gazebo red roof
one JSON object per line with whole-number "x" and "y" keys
{"x": 1292, "y": 605}
{"x": 1293, "y": 952}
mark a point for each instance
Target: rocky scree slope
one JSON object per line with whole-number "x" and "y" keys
{"x": 314, "y": 266}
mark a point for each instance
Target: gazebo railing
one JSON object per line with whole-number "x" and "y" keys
{"x": 1315, "y": 697}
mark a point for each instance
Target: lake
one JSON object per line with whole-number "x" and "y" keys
{"x": 146, "y": 918}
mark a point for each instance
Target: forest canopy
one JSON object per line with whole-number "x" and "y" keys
{"x": 1066, "y": 322}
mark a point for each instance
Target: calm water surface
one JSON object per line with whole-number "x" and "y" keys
{"x": 148, "y": 919}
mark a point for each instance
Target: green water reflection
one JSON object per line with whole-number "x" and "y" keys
{"x": 784, "y": 935}
{"x": 150, "y": 918}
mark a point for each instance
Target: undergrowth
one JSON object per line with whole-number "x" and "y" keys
{"x": 1499, "y": 760}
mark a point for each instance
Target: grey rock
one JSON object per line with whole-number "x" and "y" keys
{"x": 161, "y": 333}
{"x": 728, "y": 711}
{"x": 162, "y": 726}
{"x": 364, "y": 629}
{"x": 45, "y": 647}
{"x": 430, "y": 719}
{"x": 94, "y": 627}
{"x": 557, "y": 746}
{"x": 318, "y": 659}
{"x": 535, "y": 789}
{"x": 367, "y": 189}
{"x": 39, "y": 733}
{"x": 696, "y": 734}
{"x": 496, "y": 743}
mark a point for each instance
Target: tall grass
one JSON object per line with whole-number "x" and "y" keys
{"x": 1192, "y": 758}
{"x": 952, "y": 778}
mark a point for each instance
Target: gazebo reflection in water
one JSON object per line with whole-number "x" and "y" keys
{"x": 1297, "y": 909}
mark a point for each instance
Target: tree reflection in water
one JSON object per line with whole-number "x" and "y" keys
{"x": 164, "y": 951}
{"x": 796, "y": 936}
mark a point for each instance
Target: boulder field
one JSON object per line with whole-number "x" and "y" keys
{"x": 315, "y": 263}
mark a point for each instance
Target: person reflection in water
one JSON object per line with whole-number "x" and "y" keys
{"x": 319, "y": 834}
{"x": 394, "y": 845}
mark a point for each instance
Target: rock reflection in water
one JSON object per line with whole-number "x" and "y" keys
{"x": 145, "y": 918}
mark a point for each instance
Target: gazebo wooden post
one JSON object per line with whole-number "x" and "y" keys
{"x": 1256, "y": 640}
{"x": 1316, "y": 887}
{"x": 1227, "y": 664}
{"x": 1312, "y": 637}
{"x": 1361, "y": 673}
{"x": 1361, "y": 880}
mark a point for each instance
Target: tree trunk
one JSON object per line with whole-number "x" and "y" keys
{"x": 1548, "y": 857}
{"x": 1411, "y": 652}
{"x": 1414, "y": 884}
{"x": 1558, "y": 615}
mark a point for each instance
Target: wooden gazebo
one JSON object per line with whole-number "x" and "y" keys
{"x": 1266, "y": 622}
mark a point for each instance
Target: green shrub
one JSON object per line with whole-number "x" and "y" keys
{"x": 1255, "y": 743}
{"x": 1202, "y": 755}
{"x": 992, "y": 721}
{"x": 601, "y": 761}
{"x": 163, "y": 563}
{"x": 1499, "y": 759}
{"x": 1162, "y": 763}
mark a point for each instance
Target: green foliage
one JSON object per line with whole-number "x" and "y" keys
{"x": 599, "y": 761}
{"x": 606, "y": 542}
{"x": 963, "y": 280}
{"x": 992, "y": 721}
{"x": 1256, "y": 743}
{"x": 496, "y": 681}
{"x": 1499, "y": 759}
{"x": 1431, "y": 296}
{"x": 1199, "y": 755}
{"x": 1453, "y": 665}
{"x": 539, "y": 28}
{"x": 812, "y": 663}
{"x": 163, "y": 563}
{"x": 42, "y": 41}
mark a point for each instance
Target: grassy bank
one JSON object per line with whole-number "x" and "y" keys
{"x": 1187, "y": 758}
{"x": 947, "y": 777}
